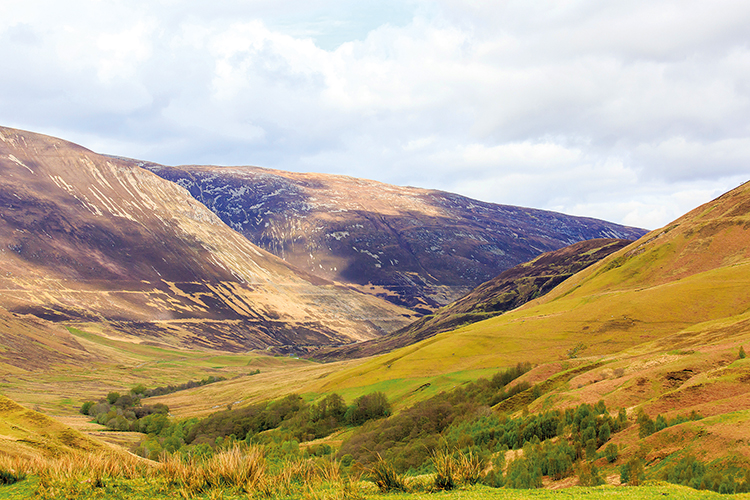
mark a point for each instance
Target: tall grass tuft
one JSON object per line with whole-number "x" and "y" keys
{"x": 445, "y": 470}
{"x": 240, "y": 466}
{"x": 12, "y": 470}
{"x": 451, "y": 470}
{"x": 385, "y": 476}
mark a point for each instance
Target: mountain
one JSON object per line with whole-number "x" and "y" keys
{"x": 509, "y": 290}
{"x": 415, "y": 247}
{"x": 95, "y": 239}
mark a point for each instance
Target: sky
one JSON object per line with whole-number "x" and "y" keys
{"x": 630, "y": 111}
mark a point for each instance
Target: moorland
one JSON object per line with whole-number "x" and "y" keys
{"x": 150, "y": 347}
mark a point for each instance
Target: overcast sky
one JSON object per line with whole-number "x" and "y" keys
{"x": 630, "y": 111}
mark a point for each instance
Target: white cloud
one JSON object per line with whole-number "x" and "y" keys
{"x": 630, "y": 111}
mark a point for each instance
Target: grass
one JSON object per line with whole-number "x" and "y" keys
{"x": 118, "y": 365}
{"x": 144, "y": 489}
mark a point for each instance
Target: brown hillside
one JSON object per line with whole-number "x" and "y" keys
{"x": 84, "y": 237}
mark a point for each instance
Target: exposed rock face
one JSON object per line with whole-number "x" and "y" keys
{"x": 415, "y": 247}
{"x": 92, "y": 238}
{"x": 509, "y": 290}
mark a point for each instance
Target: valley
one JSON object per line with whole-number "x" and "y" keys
{"x": 113, "y": 277}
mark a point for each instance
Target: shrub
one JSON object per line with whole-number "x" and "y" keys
{"x": 112, "y": 397}
{"x": 742, "y": 352}
{"x": 86, "y": 407}
{"x": 611, "y": 452}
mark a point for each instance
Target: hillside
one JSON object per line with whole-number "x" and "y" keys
{"x": 86, "y": 238}
{"x": 415, "y": 247}
{"x": 27, "y": 433}
{"x": 509, "y": 290}
{"x": 668, "y": 284}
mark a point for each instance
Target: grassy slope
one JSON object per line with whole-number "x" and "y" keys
{"x": 106, "y": 364}
{"x": 26, "y": 433}
{"x": 671, "y": 282}
{"x": 509, "y": 290}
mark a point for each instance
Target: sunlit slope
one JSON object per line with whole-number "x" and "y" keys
{"x": 505, "y": 292}
{"x": 27, "y": 433}
{"x": 695, "y": 270}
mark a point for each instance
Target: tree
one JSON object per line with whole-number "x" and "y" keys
{"x": 368, "y": 407}
{"x": 611, "y": 452}
{"x": 632, "y": 472}
{"x": 604, "y": 433}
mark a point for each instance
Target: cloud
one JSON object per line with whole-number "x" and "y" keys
{"x": 632, "y": 111}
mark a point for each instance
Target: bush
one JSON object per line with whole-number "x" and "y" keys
{"x": 611, "y": 452}
{"x": 86, "y": 407}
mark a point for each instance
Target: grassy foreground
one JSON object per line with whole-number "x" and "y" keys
{"x": 138, "y": 489}
{"x": 243, "y": 473}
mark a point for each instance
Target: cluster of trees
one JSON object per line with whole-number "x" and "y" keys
{"x": 142, "y": 391}
{"x": 126, "y": 413}
{"x": 690, "y": 471}
{"x": 280, "y": 425}
{"x": 408, "y": 439}
{"x": 292, "y": 416}
{"x": 647, "y": 426}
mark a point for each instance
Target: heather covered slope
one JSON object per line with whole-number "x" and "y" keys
{"x": 511, "y": 289}
{"x": 96, "y": 239}
{"x": 416, "y": 247}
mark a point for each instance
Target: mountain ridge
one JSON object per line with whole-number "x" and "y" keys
{"x": 416, "y": 247}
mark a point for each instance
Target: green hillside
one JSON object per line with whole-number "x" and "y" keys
{"x": 672, "y": 283}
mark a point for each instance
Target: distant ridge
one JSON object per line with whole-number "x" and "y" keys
{"x": 415, "y": 247}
